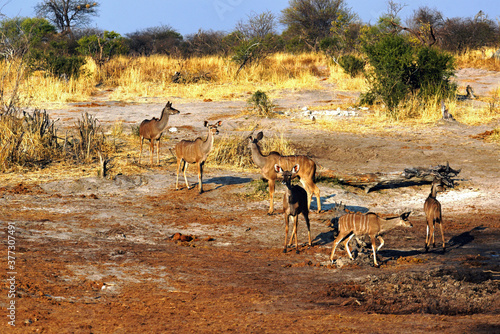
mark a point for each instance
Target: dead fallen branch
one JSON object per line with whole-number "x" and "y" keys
{"x": 406, "y": 178}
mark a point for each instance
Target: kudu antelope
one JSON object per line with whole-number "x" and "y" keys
{"x": 294, "y": 203}
{"x": 195, "y": 152}
{"x": 432, "y": 209}
{"x": 266, "y": 164}
{"x": 152, "y": 129}
{"x": 369, "y": 224}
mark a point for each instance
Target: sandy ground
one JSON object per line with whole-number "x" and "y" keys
{"x": 131, "y": 254}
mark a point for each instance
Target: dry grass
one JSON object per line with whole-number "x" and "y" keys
{"x": 210, "y": 78}
{"x": 344, "y": 82}
{"x": 482, "y": 58}
{"x": 233, "y": 151}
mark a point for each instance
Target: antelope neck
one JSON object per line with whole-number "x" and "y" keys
{"x": 162, "y": 123}
{"x": 207, "y": 144}
{"x": 257, "y": 156}
{"x": 433, "y": 192}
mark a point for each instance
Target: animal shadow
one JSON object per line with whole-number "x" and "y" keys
{"x": 221, "y": 181}
{"x": 464, "y": 238}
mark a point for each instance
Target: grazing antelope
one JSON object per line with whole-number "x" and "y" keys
{"x": 432, "y": 209}
{"x": 294, "y": 203}
{"x": 195, "y": 152}
{"x": 369, "y": 224}
{"x": 152, "y": 129}
{"x": 266, "y": 164}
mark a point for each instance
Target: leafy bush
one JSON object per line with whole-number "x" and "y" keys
{"x": 102, "y": 47}
{"x": 352, "y": 65}
{"x": 57, "y": 64}
{"x": 262, "y": 103}
{"x": 400, "y": 69}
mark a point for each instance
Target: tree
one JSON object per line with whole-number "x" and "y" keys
{"x": 205, "y": 43}
{"x": 66, "y": 14}
{"x": 312, "y": 20}
{"x": 156, "y": 40}
{"x": 102, "y": 47}
{"x": 258, "y": 25}
{"x": 460, "y": 34}
{"x": 21, "y": 34}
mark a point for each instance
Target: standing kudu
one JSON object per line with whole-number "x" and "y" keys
{"x": 195, "y": 152}
{"x": 294, "y": 203}
{"x": 432, "y": 209}
{"x": 266, "y": 163}
{"x": 152, "y": 129}
{"x": 369, "y": 224}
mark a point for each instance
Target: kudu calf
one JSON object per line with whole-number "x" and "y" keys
{"x": 152, "y": 129}
{"x": 195, "y": 152}
{"x": 266, "y": 164}
{"x": 294, "y": 203}
{"x": 369, "y": 224}
{"x": 432, "y": 209}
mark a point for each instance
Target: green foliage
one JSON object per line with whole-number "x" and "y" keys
{"x": 19, "y": 35}
{"x": 38, "y": 29}
{"x": 434, "y": 70}
{"x": 401, "y": 69}
{"x": 102, "y": 47}
{"x": 352, "y": 65}
{"x": 262, "y": 103}
{"x": 57, "y": 64}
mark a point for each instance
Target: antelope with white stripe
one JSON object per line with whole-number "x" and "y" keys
{"x": 432, "y": 209}
{"x": 369, "y": 224}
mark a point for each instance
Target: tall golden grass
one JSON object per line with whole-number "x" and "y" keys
{"x": 139, "y": 77}
{"x": 482, "y": 58}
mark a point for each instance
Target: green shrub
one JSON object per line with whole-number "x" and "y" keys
{"x": 400, "y": 69}
{"x": 262, "y": 103}
{"x": 352, "y": 65}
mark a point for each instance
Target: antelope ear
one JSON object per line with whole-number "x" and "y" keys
{"x": 205, "y": 124}
{"x": 219, "y": 123}
{"x": 277, "y": 168}
{"x": 406, "y": 215}
{"x": 295, "y": 169}
{"x": 260, "y": 135}
{"x": 169, "y": 104}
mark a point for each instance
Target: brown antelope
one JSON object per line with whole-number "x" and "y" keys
{"x": 195, "y": 152}
{"x": 152, "y": 129}
{"x": 266, "y": 164}
{"x": 369, "y": 224}
{"x": 432, "y": 209}
{"x": 294, "y": 203}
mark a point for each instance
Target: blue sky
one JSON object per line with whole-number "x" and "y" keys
{"x": 188, "y": 16}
